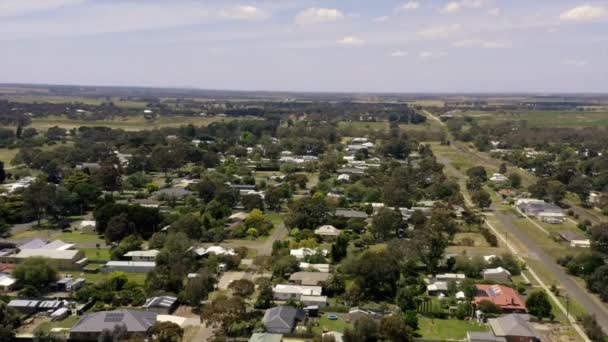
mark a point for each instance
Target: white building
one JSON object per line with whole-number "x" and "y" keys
{"x": 287, "y": 291}
{"x": 497, "y": 274}
{"x": 149, "y": 255}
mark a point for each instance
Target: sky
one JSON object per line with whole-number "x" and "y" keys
{"x": 412, "y": 46}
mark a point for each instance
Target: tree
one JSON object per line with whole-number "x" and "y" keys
{"x": 2, "y": 172}
{"x": 556, "y": 191}
{"x": 503, "y": 168}
{"x": 597, "y": 282}
{"x": 599, "y": 238}
{"x": 224, "y": 312}
{"x": 242, "y": 287}
{"x": 481, "y": 198}
{"x": 592, "y": 328}
{"x": 198, "y": 288}
{"x": 266, "y": 297}
{"x": 42, "y": 336}
{"x": 307, "y": 213}
{"x": 377, "y": 273}
{"x": 189, "y": 225}
{"x": 118, "y": 228}
{"x": 128, "y": 244}
{"x": 478, "y": 173}
{"x": 251, "y": 202}
{"x": 514, "y": 180}
{"x": 9, "y": 322}
{"x": 165, "y": 332}
{"x": 385, "y": 222}
{"x": 365, "y": 330}
{"x": 538, "y": 304}
{"x": 406, "y": 298}
{"x": 36, "y": 199}
{"x": 395, "y": 329}
{"x": 36, "y": 272}
{"x": 339, "y": 248}
{"x": 489, "y": 307}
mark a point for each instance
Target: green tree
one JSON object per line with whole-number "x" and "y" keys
{"x": 223, "y": 313}
{"x": 538, "y": 304}
{"x": 514, "y": 180}
{"x": 165, "y": 332}
{"x": 307, "y": 213}
{"x": 394, "y": 329}
{"x": 482, "y": 199}
{"x": 365, "y": 330}
{"x": 9, "y": 322}
{"x": 36, "y": 272}
{"x": 386, "y": 222}
{"x": 265, "y": 298}
{"x": 339, "y": 248}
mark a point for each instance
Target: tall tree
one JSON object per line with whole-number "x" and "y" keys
{"x": 538, "y": 304}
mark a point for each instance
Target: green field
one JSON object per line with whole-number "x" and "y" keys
{"x": 139, "y": 278}
{"x": 102, "y": 254}
{"x": 444, "y": 329}
{"x": 573, "y": 119}
{"x": 132, "y": 123}
{"x": 66, "y": 323}
{"x": 7, "y": 155}
{"x": 325, "y": 324}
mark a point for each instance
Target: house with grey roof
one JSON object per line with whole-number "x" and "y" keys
{"x": 514, "y": 327}
{"x": 475, "y": 336}
{"x": 162, "y": 305}
{"x": 175, "y": 192}
{"x": 90, "y": 326}
{"x": 280, "y": 319}
{"x": 348, "y": 213}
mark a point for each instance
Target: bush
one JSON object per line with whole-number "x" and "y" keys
{"x": 490, "y": 238}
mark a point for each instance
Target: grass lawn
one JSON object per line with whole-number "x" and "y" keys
{"x": 548, "y": 118}
{"x": 325, "y": 324}
{"x": 34, "y": 233}
{"x": 139, "y": 278}
{"x": 68, "y": 322}
{"x": 102, "y": 254}
{"x": 78, "y": 237}
{"x": 132, "y": 123}
{"x": 443, "y": 329}
{"x": 6, "y": 155}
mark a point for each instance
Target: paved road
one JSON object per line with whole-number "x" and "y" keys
{"x": 587, "y": 300}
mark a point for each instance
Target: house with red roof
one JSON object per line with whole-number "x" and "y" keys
{"x": 502, "y": 296}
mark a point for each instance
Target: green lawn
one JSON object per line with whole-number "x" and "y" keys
{"x": 443, "y": 329}
{"x": 77, "y": 237}
{"x": 139, "y": 278}
{"x": 325, "y": 324}
{"x": 102, "y": 254}
{"x": 66, "y": 323}
{"x": 6, "y": 155}
{"x": 548, "y": 118}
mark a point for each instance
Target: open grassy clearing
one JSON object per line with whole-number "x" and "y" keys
{"x": 132, "y": 123}
{"x": 444, "y": 329}
{"x": 68, "y": 322}
{"x": 325, "y": 324}
{"x": 77, "y": 99}
{"x": 139, "y": 278}
{"x": 97, "y": 254}
{"x": 572, "y": 119}
{"x": 6, "y": 155}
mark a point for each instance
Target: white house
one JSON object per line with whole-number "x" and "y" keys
{"x": 498, "y": 274}
{"x": 498, "y": 178}
{"x": 149, "y": 255}
{"x": 288, "y": 291}
{"x": 324, "y": 268}
{"x": 302, "y": 253}
{"x": 327, "y": 231}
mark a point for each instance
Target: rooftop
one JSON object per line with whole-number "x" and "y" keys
{"x": 134, "y": 321}
{"x": 503, "y": 296}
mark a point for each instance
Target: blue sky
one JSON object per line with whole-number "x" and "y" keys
{"x": 307, "y": 45}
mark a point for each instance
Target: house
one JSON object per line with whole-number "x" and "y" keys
{"x": 344, "y": 177}
{"x": 175, "y": 192}
{"x": 502, "y": 296}
{"x": 149, "y": 255}
{"x": 302, "y": 253}
{"x": 347, "y": 213}
{"x": 59, "y": 254}
{"x": 318, "y": 301}
{"x": 68, "y": 284}
{"x": 87, "y": 227}
{"x": 437, "y": 288}
{"x": 90, "y": 326}
{"x": 498, "y": 178}
{"x": 280, "y": 319}
{"x": 328, "y": 232}
{"x": 88, "y": 166}
{"x": 24, "y": 306}
{"x": 289, "y": 291}
{"x": 595, "y": 198}
{"x": 218, "y": 250}
{"x": 514, "y": 328}
{"x": 128, "y": 266}
{"x": 7, "y": 283}
{"x": 475, "y": 336}
{"x": 356, "y": 313}
{"x": 497, "y": 274}
{"x": 309, "y": 278}
{"x": 541, "y": 210}
{"x": 351, "y": 171}
{"x": 266, "y": 337}
{"x": 238, "y": 217}
{"x": 22, "y": 183}
{"x": 575, "y": 240}
{"x": 324, "y": 268}
{"x": 162, "y": 305}
{"x": 445, "y": 277}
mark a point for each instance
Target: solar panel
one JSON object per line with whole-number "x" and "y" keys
{"x": 113, "y": 317}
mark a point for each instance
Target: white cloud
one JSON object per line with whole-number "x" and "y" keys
{"x": 318, "y": 15}
{"x": 9, "y": 8}
{"x": 410, "y": 6}
{"x": 584, "y": 13}
{"x": 351, "y": 41}
{"x": 428, "y": 55}
{"x": 494, "y": 12}
{"x": 439, "y": 31}
{"x": 381, "y": 19}
{"x": 243, "y": 13}
{"x": 480, "y": 43}
{"x": 579, "y": 63}
{"x": 456, "y": 6}
{"x": 398, "y": 54}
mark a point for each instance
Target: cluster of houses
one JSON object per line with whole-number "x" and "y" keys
{"x": 541, "y": 210}
{"x": 22, "y": 183}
